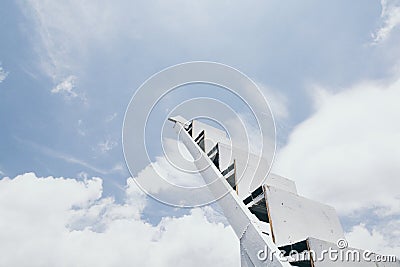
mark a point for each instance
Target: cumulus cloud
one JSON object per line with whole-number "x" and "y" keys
{"x": 347, "y": 154}
{"x": 173, "y": 177}
{"x": 3, "y": 74}
{"x": 374, "y": 240}
{"x": 64, "y": 222}
{"x": 391, "y": 19}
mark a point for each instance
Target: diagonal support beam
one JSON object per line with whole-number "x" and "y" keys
{"x": 239, "y": 217}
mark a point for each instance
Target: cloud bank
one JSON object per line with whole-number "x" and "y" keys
{"x": 347, "y": 154}
{"x": 49, "y": 221}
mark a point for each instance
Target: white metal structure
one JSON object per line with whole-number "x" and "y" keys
{"x": 270, "y": 220}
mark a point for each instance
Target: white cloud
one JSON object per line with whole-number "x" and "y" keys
{"x": 391, "y": 17}
{"x": 168, "y": 177}
{"x": 3, "y": 74}
{"x": 67, "y": 32}
{"x": 375, "y": 240}
{"x": 65, "y": 222}
{"x": 347, "y": 153}
{"x": 66, "y": 87}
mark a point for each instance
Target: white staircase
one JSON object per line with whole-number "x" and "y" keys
{"x": 271, "y": 216}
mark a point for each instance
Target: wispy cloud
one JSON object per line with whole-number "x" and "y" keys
{"x": 391, "y": 17}
{"x": 120, "y": 168}
{"x": 81, "y": 128}
{"x": 111, "y": 117}
{"x": 65, "y": 157}
{"x": 106, "y": 145}
{"x": 66, "y": 87}
{"x": 3, "y": 74}
{"x": 83, "y": 175}
{"x": 278, "y": 102}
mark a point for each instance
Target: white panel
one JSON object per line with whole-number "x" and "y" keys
{"x": 225, "y": 157}
{"x": 263, "y": 227}
{"x": 250, "y": 169}
{"x": 323, "y": 260}
{"x": 281, "y": 183}
{"x": 295, "y": 218}
{"x": 250, "y": 175}
{"x": 212, "y": 134}
{"x": 244, "y": 258}
{"x": 235, "y": 211}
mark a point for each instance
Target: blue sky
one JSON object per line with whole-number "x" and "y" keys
{"x": 69, "y": 68}
{"x": 285, "y": 47}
